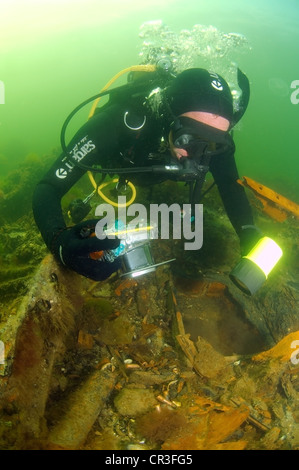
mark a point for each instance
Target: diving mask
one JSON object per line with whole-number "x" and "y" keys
{"x": 199, "y": 139}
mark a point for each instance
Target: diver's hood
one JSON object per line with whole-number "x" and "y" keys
{"x": 191, "y": 90}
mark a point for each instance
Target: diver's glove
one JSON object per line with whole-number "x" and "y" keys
{"x": 72, "y": 247}
{"x": 249, "y": 236}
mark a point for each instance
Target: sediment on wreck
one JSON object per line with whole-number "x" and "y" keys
{"x": 196, "y": 372}
{"x": 34, "y": 338}
{"x": 146, "y": 348}
{"x": 84, "y": 407}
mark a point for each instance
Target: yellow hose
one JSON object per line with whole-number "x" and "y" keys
{"x": 105, "y": 198}
{"x": 133, "y": 68}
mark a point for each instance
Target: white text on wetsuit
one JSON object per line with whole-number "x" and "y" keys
{"x": 78, "y": 152}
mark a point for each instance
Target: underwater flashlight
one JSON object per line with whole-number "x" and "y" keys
{"x": 253, "y": 269}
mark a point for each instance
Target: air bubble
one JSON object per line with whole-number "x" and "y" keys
{"x": 201, "y": 46}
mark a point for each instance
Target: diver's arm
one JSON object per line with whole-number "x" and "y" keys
{"x": 46, "y": 203}
{"x": 90, "y": 145}
{"x": 47, "y": 212}
{"x": 225, "y": 173}
{"x": 72, "y": 245}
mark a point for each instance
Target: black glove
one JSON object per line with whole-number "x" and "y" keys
{"x": 73, "y": 245}
{"x": 249, "y": 236}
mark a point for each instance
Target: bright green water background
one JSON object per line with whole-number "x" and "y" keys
{"x": 56, "y": 53}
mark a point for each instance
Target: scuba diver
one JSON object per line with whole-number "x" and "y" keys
{"x": 159, "y": 126}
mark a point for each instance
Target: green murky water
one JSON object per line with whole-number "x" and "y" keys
{"x": 55, "y": 53}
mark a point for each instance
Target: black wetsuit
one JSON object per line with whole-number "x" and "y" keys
{"x": 107, "y": 140}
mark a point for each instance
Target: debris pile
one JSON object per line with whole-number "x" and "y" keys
{"x": 178, "y": 359}
{"x": 108, "y": 366}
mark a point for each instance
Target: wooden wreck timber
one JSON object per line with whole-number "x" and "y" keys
{"x": 74, "y": 350}
{"x": 140, "y": 354}
{"x": 275, "y": 205}
{"x": 34, "y": 338}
